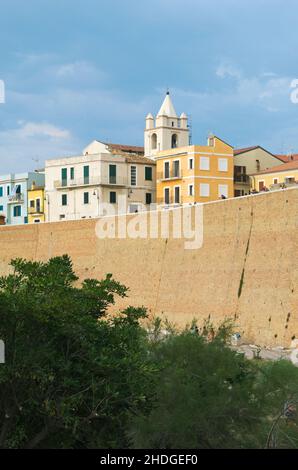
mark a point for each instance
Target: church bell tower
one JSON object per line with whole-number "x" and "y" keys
{"x": 166, "y": 131}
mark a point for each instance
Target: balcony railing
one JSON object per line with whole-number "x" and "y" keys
{"x": 241, "y": 178}
{"x": 161, "y": 201}
{"x": 170, "y": 175}
{"x": 35, "y": 210}
{"x": 19, "y": 197}
{"x": 104, "y": 180}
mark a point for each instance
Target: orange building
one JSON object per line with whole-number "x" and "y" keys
{"x": 195, "y": 173}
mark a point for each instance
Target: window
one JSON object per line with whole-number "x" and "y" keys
{"x": 174, "y": 141}
{"x": 86, "y": 174}
{"x": 148, "y": 173}
{"x": 133, "y": 175}
{"x": 167, "y": 195}
{"x": 17, "y": 211}
{"x": 64, "y": 199}
{"x": 18, "y": 189}
{"x": 32, "y": 203}
{"x": 86, "y": 198}
{"x": 1, "y": 208}
{"x": 1, "y": 191}
{"x": 112, "y": 174}
{"x": 36, "y": 221}
{"x": 190, "y": 163}
{"x": 240, "y": 175}
{"x": 133, "y": 208}
{"x": 275, "y": 181}
{"x": 167, "y": 170}
{"x": 223, "y": 190}
{"x": 190, "y": 190}
{"x": 177, "y": 194}
{"x": 38, "y": 206}
{"x": 113, "y": 197}
{"x": 204, "y": 163}
{"x": 154, "y": 141}
{"x": 148, "y": 198}
{"x": 72, "y": 173}
{"x": 176, "y": 168}
{"x": 223, "y": 164}
{"x": 239, "y": 192}
{"x": 8, "y": 190}
{"x": 64, "y": 176}
{"x": 204, "y": 190}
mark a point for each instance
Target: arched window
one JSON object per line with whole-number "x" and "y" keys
{"x": 174, "y": 141}
{"x": 154, "y": 141}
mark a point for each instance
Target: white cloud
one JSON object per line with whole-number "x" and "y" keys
{"x": 28, "y": 145}
{"x": 225, "y": 70}
{"x": 33, "y": 129}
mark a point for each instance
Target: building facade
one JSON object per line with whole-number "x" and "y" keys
{"x": 106, "y": 179}
{"x": 36, "y": 204}
{"x": 281, "y": 176}
{"x": 195, "y": 173}
{"x": 14, "y": 195}
{"x": 166, "y": 131}
{"x": 248, "y": 161}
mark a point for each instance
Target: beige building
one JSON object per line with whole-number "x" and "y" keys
{"x": 107, "y": 178}
{"x": 281, "y": 176}
{"x": 248, "y": 161}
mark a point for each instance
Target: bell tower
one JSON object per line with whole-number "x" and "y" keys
{"x": 166, "y": 131}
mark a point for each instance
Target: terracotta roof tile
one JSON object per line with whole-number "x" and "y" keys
{"x": 284, "y": 167}
{"x": 125, "y": 148}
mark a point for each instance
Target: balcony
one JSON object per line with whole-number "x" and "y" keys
{"x": 170, "y": 175}
{"x": 35, "y": 211}
{"x": 161, "y": 202}
{"x": 19, "y": 198}
{"x": 103, "y": 180}
{"x": 241, "y": 178}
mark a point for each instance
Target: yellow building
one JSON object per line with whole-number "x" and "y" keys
{"x": 36, "y": 205}
{"x": 195, "y": 173}
{"x": 281, "y": 176}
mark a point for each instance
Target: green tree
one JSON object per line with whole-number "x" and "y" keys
{"x": 209, "y": 396}
{"x": 73, "y": 375}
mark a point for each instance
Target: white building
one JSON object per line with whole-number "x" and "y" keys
{"x": 105, "y": 179}
{"x": 167, "y": 131}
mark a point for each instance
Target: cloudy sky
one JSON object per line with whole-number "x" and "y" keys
{"x": 78, "y": 70}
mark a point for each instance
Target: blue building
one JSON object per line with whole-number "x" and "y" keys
{"x": 14, "y": 195}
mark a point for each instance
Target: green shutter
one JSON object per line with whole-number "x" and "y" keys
{"x": 112, "y": 174}
{"x": 148, "y": 173}
{"x": 64, "y": 199}
{"x": 86, "y": 174}
{"x": 72, "y": 173}
{"x": 113, "y": 197}
{"x": 64, "y": 176}
{"x": 86, "y": 198}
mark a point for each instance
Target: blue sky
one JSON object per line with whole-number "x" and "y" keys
{"x": 78, "y": 70}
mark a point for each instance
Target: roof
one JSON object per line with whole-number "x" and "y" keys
{"x": 289, "y": 157}
{"x": 277, "y": 169}
{"x": 125, "y": 148}
{"x": 139, "y": 159}
{"x": 167, "y": 108}
{"x": 246, "y": 149}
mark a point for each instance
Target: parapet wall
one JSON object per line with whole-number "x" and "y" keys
{"x": 246, "y": 269}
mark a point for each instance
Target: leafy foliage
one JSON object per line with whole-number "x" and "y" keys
{"x": 72, "y": 376}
